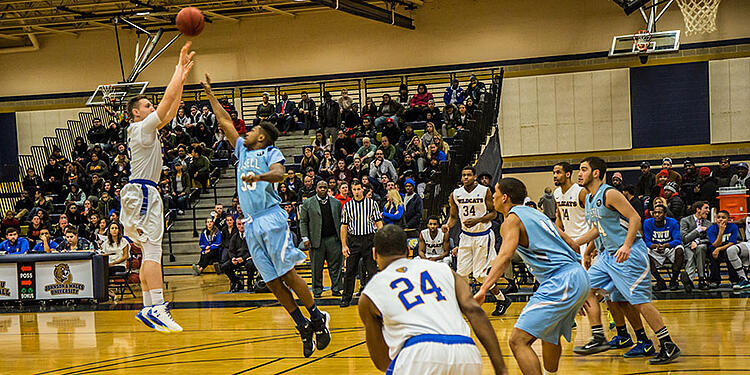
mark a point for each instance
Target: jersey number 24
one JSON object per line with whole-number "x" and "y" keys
{"x": 427, "y": 285}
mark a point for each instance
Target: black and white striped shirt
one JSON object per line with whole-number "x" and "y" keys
{"x": 360, "y": 217}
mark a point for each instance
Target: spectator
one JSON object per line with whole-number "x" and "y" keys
{"x": 476, "y": 89}
{"x": 32, "y": 182}
{"x": 740, "y": 178}
{"x": 367, "y": 151}
{"x": 432, "y": 113}
{"x": 366, "y": 130}
{"x": 675, "y": 177}
{"x": 53, "y": 176}
{"x": 285, "y": 111}
{"x": 418, "y": 103}
{"x": 357, "y": 168}
{"x": 333, "y": 186}
{"x": 391, "y": 131}
{"x": 306, "y": 111}
{"x": 646, "y": 181}
{"x": 327, "y": 164}
{"x": 181, "y": 137}
{"x": 208, "y": 118}
{"x": 234, "y": 210}
{"x": 408, "y": 167}
{"x": 239, "y": 124}
{"x": 388, "y": 109}
{"x": 416, "y": 151}
{"x": 45, "y": 244}
{"x": 381, "y": 166}
{"x": 309, "y": 160}
{"x": 292, "y": 221}
{"x": 308, "y": 188}
{"x": 389, "y": 151}
{"x": 547, "y": 204}
{"x": 662, "y": 178}
{"x": 344, "y": 146}
{"x": 198, "y": 167}
{"x": 450, "y": 116}
{"x": 320, "y": 219}
{"x": 75, "y": 196}
{"x": 219, "y": 217}
{"x": 345, "y": 101}
{"x": 264, "y": 110}
{"x": 463, "y": 117}
{"x": 14, "y": 244}
{"x": 116, "y": 247}
{"x": 629, "y": 192}
{"x": 195, "y": 116}
{"x": 413, "y": 205}
{"x": 429, "y": 134}
{"x": 370, "y": 109}
{"x": 80, "y": 150}
{"x": 707, "y": 187}
{"x": 73, "y": 242}
{"x": 99, "y": 233}
{"x": 403, "y": 94}
{"x": 180, "y": 192}
{"x": 227, "y": 232}
{"x": 35, "y": 228}
{"x": 286, "y": 194}
{"x": 96, "y": 166}
{"x": 238, "y": 256}
{"x": 725, "y": 244}
{"x": 405, "y": 138}
{"x": 210, "y": 247}
{"x": 436, "y": 153}
{"x": 181, "y": 120}
{"x": 24, "y": 205}
{"x": 329, "y": 115}
{"x": 617, "y": 181}
{"x": 393, "y": 212}
{"x": 310, "y": 172}
{"x": 360, "y": 218}
{"x": 454, "y": 94}
{"x": 105, "y": 203}
{"x": 291, "y": 181}
{"x": 341, "y": 172}
{"x": 97, "y": 134}
{"x": 321, "y": 143}
{"x": 724, "y": 172}
{"x": 662, "y": 236}
{"x": 695, "y": 241}
{"x": 343, "y": 193}
{"x": 674, "y": 202}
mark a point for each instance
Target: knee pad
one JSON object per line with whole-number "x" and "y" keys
{"x": 151, "y": 251}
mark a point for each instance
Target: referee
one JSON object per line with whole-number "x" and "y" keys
{"x": 360, "y": 219}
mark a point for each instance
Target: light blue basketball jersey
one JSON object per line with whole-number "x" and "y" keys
{"x": 547, "y": 251}
{"x": 261, "y": 195}
{"x": 612, "y": 226}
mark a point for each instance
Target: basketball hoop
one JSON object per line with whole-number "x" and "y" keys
{"x": 700, "y": 15}
{"x": 642, "y": 40}
{"x": 108, "y": 98}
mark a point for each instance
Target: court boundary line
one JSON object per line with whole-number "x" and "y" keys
{"x": 319, "y": 358}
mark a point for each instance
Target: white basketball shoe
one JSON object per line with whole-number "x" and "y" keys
{"x": 142, "y": 317}
{"x": 159, "y": 315}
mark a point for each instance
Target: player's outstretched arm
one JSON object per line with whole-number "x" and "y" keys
{"x": 222, "y": 117}
{"x": 589, "y": 236}
{"x": 510, "y": 232}
{"x": 479, "y": 323}
{"x": 373, "y": 322}
{"x": 169, "y": 104}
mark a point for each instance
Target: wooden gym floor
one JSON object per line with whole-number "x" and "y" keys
{"x": 247, "y": 333}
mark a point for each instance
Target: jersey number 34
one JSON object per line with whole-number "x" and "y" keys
{"x": 427, "y": 285}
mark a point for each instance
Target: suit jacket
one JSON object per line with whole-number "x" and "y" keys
{"x": 238, "y": 247}
{"x": 689, "y": 231}
{"x": 289, "y": 109}
{"x": 311, "y": 219}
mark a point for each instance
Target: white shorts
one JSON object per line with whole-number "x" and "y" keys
{"x": 475, "y": 255}
{"x": 438, "y": 359}
{"x": 142, "y": 213}
{"x": 661, "y": 258}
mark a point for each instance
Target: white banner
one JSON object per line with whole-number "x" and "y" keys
{"x": 8, "y": 281}
{"x": 64, "y": 279}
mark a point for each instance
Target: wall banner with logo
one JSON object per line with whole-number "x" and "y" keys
{"x": 8, "y": 281}
{"x": 64, "y": 279}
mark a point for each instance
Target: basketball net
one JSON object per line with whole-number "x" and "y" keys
{"x": 642, "y": 40}
{"x": 109, "y": 99}
{"x": 700, "y": 15}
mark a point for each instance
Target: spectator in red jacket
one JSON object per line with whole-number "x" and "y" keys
{"x": 239, "y": 123}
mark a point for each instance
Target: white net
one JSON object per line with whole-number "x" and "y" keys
{"x": 107, "y": 91}
{"x": 700, "y": 15}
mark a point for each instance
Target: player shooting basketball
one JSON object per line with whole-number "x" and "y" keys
{"x": 142, "y": 210}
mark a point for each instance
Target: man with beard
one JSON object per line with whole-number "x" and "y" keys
{"x": 646, "y": 181}
{"x": 689, "y": 182}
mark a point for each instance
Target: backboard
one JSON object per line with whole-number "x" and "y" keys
{"x": 118, "y": 93}
{"x": 661, "y": 41}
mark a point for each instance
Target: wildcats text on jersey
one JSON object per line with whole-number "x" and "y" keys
{"x": 469, "y": 200}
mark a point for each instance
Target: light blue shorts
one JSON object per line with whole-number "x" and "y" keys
{"x": 628, "y": 281}
{"x": 269, "y": 241}
{"x": 552, "y": 309}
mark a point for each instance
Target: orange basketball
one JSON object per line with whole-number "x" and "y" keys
{"x": 190, "y": 21}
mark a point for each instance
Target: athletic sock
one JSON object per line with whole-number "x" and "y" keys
{"x": 157, "y": 296}
{"x": 622, "y": 331}
{"x": 640, "y": 335}
{"x": 663, "y": 335}
{"x": 500, "y": 296}
{"x": 598, "y": 332}
{"x": 315, "y": 314}
{"x": 147, "y": 298}
{"x": 299, "y": 319}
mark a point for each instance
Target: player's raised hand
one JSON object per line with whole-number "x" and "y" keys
{"x": 622, "y": 254}
{"x": 186, "y": 60}
{"x": 207, "y": 85}
{"x": 251, "y": 178}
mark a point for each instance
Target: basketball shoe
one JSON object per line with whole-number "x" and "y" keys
{"x": 160, "y": 315}
{"x": 142, "y": 316}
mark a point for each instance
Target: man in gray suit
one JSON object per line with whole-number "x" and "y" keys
{"x": 319, "y": 225}
{"x": 694, "y": 240}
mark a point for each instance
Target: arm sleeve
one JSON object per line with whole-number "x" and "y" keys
{"x": 390, "y": 216}
{"x": 24, "y": 245}
{"x": 151, "y": 123}
{"x": 376, "y": 216}
{"x": 648, "y": 231}
{"x": 687, "y": 235}
{"x": 344, "y": 216}
{"x": 274, "y": 156}
{"x": 676, "y": 239}
{"x": 203, "y": 242}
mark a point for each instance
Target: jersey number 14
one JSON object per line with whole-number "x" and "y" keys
{"x": 427, "y": 285}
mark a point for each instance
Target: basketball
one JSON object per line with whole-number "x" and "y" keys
{"x": 190, "y": 21}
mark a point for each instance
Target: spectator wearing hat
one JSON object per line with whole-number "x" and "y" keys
{"x": 617, "y": 181}
{"x": 740, "y": 177}
{"x": 662, "y": 178}
{"x": 674, "y": 201}
{"x": 707, "y": 187}
{"x": 476, "y": 89}
{"x": 646, "y": 181}
{"x": 264, "y": 110}
{"x": 724, "y": 172}
{"x": 675, "y": 177}
{"x": 413, "y": 205}
{"x": 454, "y": 94}
{"x": 689, "y": 182}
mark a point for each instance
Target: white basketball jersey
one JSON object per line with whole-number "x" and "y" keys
{"x": 573, "y": 216}
{"x": 416, "y": 297}
{"x": 433, "y": 246}
{"x": 145, "y": 149}
{"x": 472, "y": 205}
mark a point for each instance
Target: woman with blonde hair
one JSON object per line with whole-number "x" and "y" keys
{"x": 415, "y": 148}
{"x": 393, "y": 211}
{"x": 429, "y": 135}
